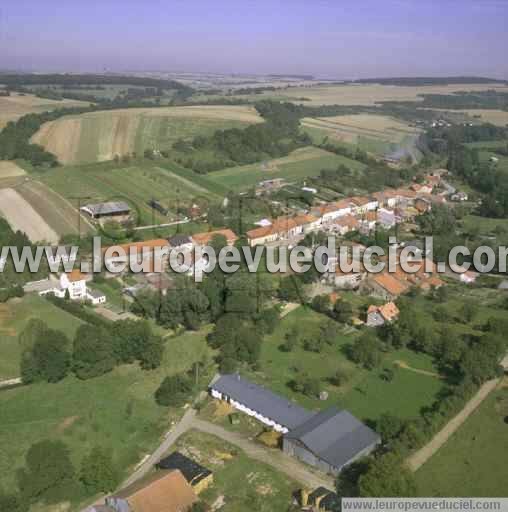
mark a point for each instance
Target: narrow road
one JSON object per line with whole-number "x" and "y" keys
{"x": 183, "y": 426}
{"x": 277, "y": 459}
{"x": 420, "y": 457}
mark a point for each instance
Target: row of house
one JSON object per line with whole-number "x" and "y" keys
{"x": 358, "y": 213}
{"x": 328, "y": 440}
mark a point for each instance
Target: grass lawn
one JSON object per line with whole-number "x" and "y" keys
{"x": 366, "y": 395}
{"x": 116, "y": 410}
{"x": 298, "y": 165}
{"x": 15, "y": 314}
{"x": 484, "y": 225}
{"x": 137, "y": 182}
{"x": 245, "y": 484}
{"x": 472, "y": 462}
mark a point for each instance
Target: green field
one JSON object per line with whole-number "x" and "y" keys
{"x": 246, "y": 484}
{"x": 137, "y": 183}
{"x": 116, "y": 410}
{"x": 300, "y": 164}
{"x": 14, "y": 315}
{"x": 472, "y": 462}
{"x": 366, "y": 395}
{"x": 502, "y": 163}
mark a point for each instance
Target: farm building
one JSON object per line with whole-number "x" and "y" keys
{"x": 114, "y": 210}
{"x": 283, "y": 228}
{"x": 198, "y": 477}
{"x": 75, "y": 284}
{"x": 162, "y": 491}
{"x": 202, "y": 239}
{"x": 346, "y": 280}
{"x": 321, "y": 499}
{"x": 379, "y": 315}
{"x": 330, "y": 440}
{"x": 257, "y": 401}
{"x": 180, "y": 242}
{"x": 150, "y": 254}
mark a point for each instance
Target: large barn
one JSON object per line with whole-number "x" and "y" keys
{"x": 328, "y": 440}
{"x": 259, "y": 402}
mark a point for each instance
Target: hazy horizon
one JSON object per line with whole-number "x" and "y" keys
{"x": 320, "y": 38}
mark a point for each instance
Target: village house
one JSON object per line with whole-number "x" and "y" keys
{"x": 423, "y": 205}
{"x": 346, "y": 280}
{"x": 330, "y": 440}
{"x": 180, "y": 242}
{"x": 361, "y": 204}
{"x": 283, "y": 228}
{"x": 138, "y": 253}
{"x": 368, "y": 222}
{"x": 162, "y": 491}
{"x": 118, "y": 211}
{"x": 468, "y": 277}
{"x": 267, "y": 186}
{"x": 330, "y": 211}
{"x": 386, "y": 218}
{"x": 422, "y": 188}
{"x": 203, "y": 239}
{"x": 74, "y": 285}
{"x": 379, "y": 315}
{"x": 344, "y": 225}
{"x": 197, "y": 476}
{"x": 386, "y": 286}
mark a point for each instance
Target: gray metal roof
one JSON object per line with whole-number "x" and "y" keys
{"x": 334, "y": 436}
{"x": 262, "y": 400}
{"x": 107, "y": 208}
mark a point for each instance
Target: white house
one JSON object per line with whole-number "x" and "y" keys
{"x": 468, "y": 277}
{"x": 75, "y": 283}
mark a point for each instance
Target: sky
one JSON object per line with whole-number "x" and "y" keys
{"x": 326, "y": 38}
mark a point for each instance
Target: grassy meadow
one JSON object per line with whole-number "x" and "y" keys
{"x": 472, "y": 461}
{"x": 365, "y": 394}
{"x": 300, "y": 164}
{"x": 245, "y": 484}
{"x": 137, "y": 182}
{"x": 15, "y": 314}
{"x": 115, "y": 410}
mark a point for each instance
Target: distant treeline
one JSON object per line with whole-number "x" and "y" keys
{"x": 419, "y": 81}
{"x": 490, "y": 99}
{"x": 70, "y": 80}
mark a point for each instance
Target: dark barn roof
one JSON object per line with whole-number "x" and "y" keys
{"x": 110, "y": 208}
{"x": 334, "y": 436}
{"x": 178, "y": 240}
{"x": 191, "y": 470}
{"x": 261, "y": 400}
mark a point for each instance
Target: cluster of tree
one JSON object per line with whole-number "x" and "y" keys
{"x": 467, "y": 100}
{"x": 11, "y": 280}
{"x": 49, "y": 356}
{"x": 429, "y": 80}
{"x": 465, "y": 163}
{"x": 340, "y": 310}
{"x": 311, "y": 342}
{"x": 11, "y": 293}
{"x": 276, "y": 137}
{"x": 50, "y": 477}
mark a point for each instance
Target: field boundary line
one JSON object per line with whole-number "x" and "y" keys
{"x": 419, "y": 458}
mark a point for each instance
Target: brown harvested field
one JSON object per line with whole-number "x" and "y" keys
{"x": 16, "y": 105}
{"x": 99, "y": 136}
{"x": 370, "y": 94}
{"x": 349, "y": 128}
{"x": 10, "y": 169}
{"x": 21, "y": 216}
{"x": 60, "y": 215}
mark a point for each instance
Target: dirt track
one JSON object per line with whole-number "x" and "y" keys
{"x": 10, "y": 169}
{"x": 424, "y": 454}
